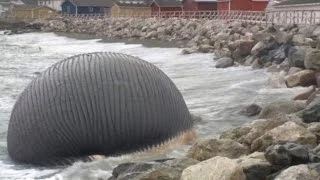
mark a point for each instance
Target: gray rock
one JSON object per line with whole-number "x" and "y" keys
{"x": 299, "y": 172}
{"x": 280, "y": 108}
{"x": 294, "y": 70}
{"x": 224, "y": 62}
{"x": 217, "y": 168}
{"x": 288, "y": 132}
{"x": 307, "y": 30}
{"x": 312, "y": 59}
{"x": 302, "y": 78}
{"x": 248, "y": 133}
{"x": 209, "y": 148}
{"x": 305, "y": 94}
{"x": 296, "y": 56}
{"x": 299, "y": 40}
{"x": 278, "y": 55}
{"x": 287, "y": 154}
{"x": 251, "y": 110}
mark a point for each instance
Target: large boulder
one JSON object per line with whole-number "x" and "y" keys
{"x": 312, "y": 112}
{"x": 300, "y": 172}
{"x": 209, "y": 148}
{"x": 249, "y": 132}
{"x": 244, "y": 47}
{"x": 279, "y": 54}
{"x": 288, "y": 132}
{"x": 296, "y": 56}
{"x": 312, "y": 59}
{"x": 258, "y": 47}
{"x": 170, "y": 172}
{"x": 287, "y": 154}
{"x": 299, "y": 40}
{"x": 302, "y": 78}
{"x": 217, "y": 168}
{"x": 280, "y": 108}
{"x": 305, "y": 94}
{"x": 224, "y": 62}
{"x": 251, "y": 167}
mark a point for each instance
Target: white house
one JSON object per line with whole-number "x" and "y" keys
{"x": 54, "y": 4}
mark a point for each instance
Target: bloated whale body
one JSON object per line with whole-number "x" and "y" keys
{"x": 98, "y": 103}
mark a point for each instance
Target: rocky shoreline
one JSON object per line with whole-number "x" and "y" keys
{"x": 282, "y": 144}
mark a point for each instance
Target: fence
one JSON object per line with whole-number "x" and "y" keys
{"x": 277, "y": 17}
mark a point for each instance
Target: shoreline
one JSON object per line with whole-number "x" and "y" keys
{"x": 290, "y": 54}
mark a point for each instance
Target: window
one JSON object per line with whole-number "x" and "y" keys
{"x": 90, "y": 9}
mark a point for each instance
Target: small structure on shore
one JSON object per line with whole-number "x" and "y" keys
{"x": 294, "y": 5}
{"x": 131, "y": 8}
{"x": 200, "y": 5}
{"x": 28, "y": 12}
{"x": 54, "y": 4}
{"x": 243, "y": 5}
{"x": 166, "y": 5}
{"x": 86, "y": 6}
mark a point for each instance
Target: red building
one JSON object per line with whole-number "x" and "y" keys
{"x": 244, "y": 5}
{"x": 200, "y": 5}
{"x": 166, "y": 5}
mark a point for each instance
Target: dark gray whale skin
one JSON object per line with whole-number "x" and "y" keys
{"x": 98, "y": 103}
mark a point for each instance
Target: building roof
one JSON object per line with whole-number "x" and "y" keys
{"x": 133, "y": 3}
{"x": 168, "y": 3}
{"x": 205, "y": 0}
{"x": 94, "y": 3}
{"x": 292, "y": 2}
{"x": 30, "y": 2}
{"x": 25, "y": 6}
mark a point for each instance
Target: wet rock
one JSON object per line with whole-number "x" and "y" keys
{"x": 288, "y": 132}
{"x": 256, "y": 64}
{"x": 273, "y": 68}
{"x": 249, "y": 132}
{"x": 307, "y": 30}
{"x": 318, "y": 79}
{"x": 165, "y": 173}
{"x": 278, "y": 55}
{"x": 302, "y": 78}
{"x": 288, "y": 154}
{"x": 132, "y": 170}
{"x": 299, "y": 40}
{"x": 209, "y": 148}
{"x": 314, "y": 128}
{"x": 299, "y": 172}
{"x": 220, "y": 53}
{"x": 243, "y": 47}
{"x": 224, "y": 62}
{"x": 258, "y": 47}
{"x": 217, "y": 168}
{"x": 294, "y": 70}
{"x": 189, "y": 51}
{"x": 280, "y": 108}
{"x": 312, "y": 59}
{"x": 205, "y": 48}
{"x": 304, "y": 95}
{"x": 296, "y": 56}
{"x": 312, "y": 112}
{"x": 248, "y": 61}
{"x": 251, "y": 110}
{"x": 255, "y": 166}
